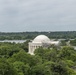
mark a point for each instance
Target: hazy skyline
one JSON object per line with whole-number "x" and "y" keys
{"x": 37, "y": 15}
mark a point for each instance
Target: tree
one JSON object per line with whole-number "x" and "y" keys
{"x": 21, "y": 68}
{"x": 6, "y": 68}
{"x": 8, "y": 50}
{"x": 73, "y": 42}
{"x": 67, "y": 53}
{"x": 40, "y": 69}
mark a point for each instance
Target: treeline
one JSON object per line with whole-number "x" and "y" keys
{"x": 15, "y": 60}
{"x": 31, "y": 35}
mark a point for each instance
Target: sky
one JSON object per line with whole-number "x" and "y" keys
{"x": 37, "y": 15}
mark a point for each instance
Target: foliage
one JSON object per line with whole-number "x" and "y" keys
{"x": 31, "y": 35}
{"x": 6, "y": 68}
{"x": 21, "y": 68}
{"x": 73, "y": 42}
{"x": 15, "y": 60}
{"x": 63, "y": 43}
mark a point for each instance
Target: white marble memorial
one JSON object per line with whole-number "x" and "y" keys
{"x": 40, "y": 41}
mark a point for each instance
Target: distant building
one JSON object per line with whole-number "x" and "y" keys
{"x": 41, "y": 41}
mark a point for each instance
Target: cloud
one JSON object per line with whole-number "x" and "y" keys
{"x": 40, "y": 15}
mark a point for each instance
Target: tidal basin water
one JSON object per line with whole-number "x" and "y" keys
{"x": 13, "y": 41}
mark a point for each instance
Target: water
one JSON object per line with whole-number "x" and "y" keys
{"x": 13, "y": 41}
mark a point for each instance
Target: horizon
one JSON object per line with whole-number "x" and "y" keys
{"x": 37, "y": 31}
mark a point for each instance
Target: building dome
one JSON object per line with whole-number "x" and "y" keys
{"x": 41, "y": 39}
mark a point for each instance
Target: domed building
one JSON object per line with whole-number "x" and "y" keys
{"x": 40, "y": 41}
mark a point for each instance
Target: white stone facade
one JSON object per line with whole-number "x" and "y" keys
{"x": 40, "y": 41}
{"x": 33, "y": 46}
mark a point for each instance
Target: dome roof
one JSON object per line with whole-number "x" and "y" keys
{"x": 41, "y": 39}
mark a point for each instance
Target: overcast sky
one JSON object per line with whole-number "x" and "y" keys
{"x": 37, "y": 15}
